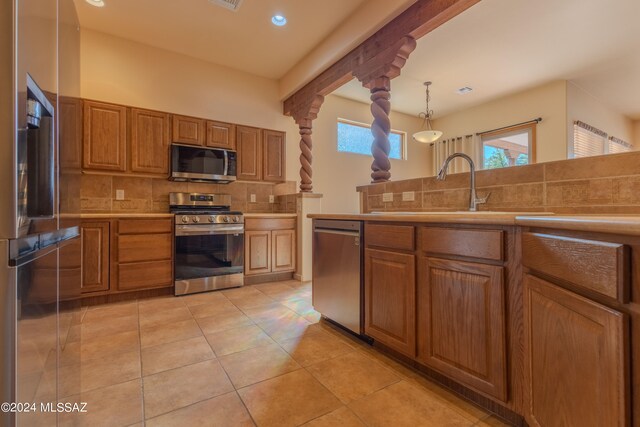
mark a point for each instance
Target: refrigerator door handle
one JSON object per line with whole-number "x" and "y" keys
{"x": 30, "y": 256}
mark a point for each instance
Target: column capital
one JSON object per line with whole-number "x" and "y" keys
{"x": 377, "y": 71}
{"x": 305, "y": 111}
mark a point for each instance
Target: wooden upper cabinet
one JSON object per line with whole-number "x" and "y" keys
{"x": 576, "y": 354}
{"x": 149, "y": 142}
{"x": 461, "y": 323}
{"x": 257, "y": 249}
{"x": 249, "y": 146}
{"x": 274, "y": 165}
{"x": 390, "y": 290}
{"x": 70, "y": 116}
{"x": 104, "y": 136}
{"x": 283, "y": 250}
{"x": 188, "y": 130}
{"x": 221, "y": 135}
{"x": 94, "y": 237}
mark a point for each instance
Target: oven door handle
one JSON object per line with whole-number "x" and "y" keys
{"x": 187, "y": 230}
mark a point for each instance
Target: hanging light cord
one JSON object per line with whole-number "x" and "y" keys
{"x": 426, "y": 115}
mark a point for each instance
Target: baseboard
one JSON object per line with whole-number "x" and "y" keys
{"x": 269, "y": 277}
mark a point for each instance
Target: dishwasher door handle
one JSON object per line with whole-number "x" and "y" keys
{"x": 340, "y": 232}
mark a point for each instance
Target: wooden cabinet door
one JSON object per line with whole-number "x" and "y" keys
{"x": 461, "y": 324}
{"x": 389, "y": 295}
{"x": 576, "y": 353}
{"x": 257, "y": 252}
{"x": 249, "y": 145}
{"x": 70, "y": 116}
{"x": 149, "y": 142}
{"x": 94, "y": 238}
{"x": 187, "y": 130}
{"x": 274, "y": 145}
{"x": 283, "y": 250}
{"x": 221, "y": 135}
{"x": 104, "y": 136}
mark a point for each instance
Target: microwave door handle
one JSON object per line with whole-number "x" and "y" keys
{"x": 226, "y": 163}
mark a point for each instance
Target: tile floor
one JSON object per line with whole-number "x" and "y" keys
{"x": 250, "y": 356}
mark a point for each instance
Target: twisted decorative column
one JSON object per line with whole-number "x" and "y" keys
{"x": 304, "y": 113}
{"x": 380, "y": 129}
{"x": 306, "y": 157}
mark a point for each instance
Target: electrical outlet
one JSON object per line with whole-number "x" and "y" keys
{"x": 387, "y": 197}
{"x": 119, "y": 194}
{"x": 272, "y": 198}
{"x": 408, "y": 196}
{"x": 253, "y": 198}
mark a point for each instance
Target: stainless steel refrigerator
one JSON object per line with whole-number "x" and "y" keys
{"x": 40, "y": 269}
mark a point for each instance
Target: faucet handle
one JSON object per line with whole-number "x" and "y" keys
{"x": 480, "y": 200}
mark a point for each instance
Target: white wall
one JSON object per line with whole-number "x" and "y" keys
{"x": 583, "y": 106}
{"x": 120, "y": 71}
{"x": 336, "y": 174}
{"x": 547, "y": 101}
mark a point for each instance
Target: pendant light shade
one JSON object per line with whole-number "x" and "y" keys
{"x": 427, "y": 134}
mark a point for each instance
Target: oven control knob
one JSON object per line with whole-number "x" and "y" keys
{"x": 185, "y": 219}
{"x": 195, "y": 219}
{"x": 212, "y": 218}
{"x": 226, "y": 218}
{"x": 236, "y": 218}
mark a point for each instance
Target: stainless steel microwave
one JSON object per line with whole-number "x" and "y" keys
{"x": 202, "y": 164}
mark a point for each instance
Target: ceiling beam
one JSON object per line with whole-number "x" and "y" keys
{"x": 419, "y": 19}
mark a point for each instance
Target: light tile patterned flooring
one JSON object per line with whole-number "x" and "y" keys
{"x": 256, "y": 355}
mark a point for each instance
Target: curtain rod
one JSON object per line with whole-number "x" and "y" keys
{"x": 538, "y": 120}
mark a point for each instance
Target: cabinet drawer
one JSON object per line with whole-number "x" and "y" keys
{"x": 144, "y": 247}
{"x": 143, "y": 275}
{"x": 142, "y": 226}
{"x": 597, "y": 266}
{"x": 485, "y": 244}
{"x": 390, "y": 236}
{"x": 269, "y": 223}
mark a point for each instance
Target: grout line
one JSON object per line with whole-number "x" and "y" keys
{"x": 144, "y": 416}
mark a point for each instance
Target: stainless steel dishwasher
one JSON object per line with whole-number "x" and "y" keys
{"x": 337, "y": 272}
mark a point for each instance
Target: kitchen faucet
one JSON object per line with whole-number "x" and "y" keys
{"x": 473, "y": 200}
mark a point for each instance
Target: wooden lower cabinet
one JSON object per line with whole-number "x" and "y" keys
{"x": 94, "y": 238}
{"x": 390, "y": 299}
{"x": 257, "y": 252}
{"x": 462, "y": 321}
{"x": 283, "y": 250}
{"x": 123, "y": 255}
{"x": 269, "y": 248}
{"x": 576, "y": 359}
{"x": 144, "y": 258}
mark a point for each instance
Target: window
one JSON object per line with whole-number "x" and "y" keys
{"x": 509, "y": 147}
{"x": 590, "y": 141}
{"x": 354, "y": 137}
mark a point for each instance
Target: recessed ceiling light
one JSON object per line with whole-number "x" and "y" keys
{"x": 464, "y": 90}
{"x": 96, "y": 3}
{"x": 279, "y": 20}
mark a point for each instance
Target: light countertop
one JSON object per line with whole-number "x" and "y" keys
{"x": 270, "y": 215}
{"x": 123, "y": 215}
{"x": 459, "y": 217}
{"x": 614, "y": 223}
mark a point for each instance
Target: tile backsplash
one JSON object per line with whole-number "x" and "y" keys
{"x": 603, "y": 184}
{"x": 98, "y": 194}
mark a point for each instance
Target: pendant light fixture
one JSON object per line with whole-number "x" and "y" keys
{"x": 427, "y": 134}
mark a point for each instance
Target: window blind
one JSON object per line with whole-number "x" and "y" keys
{"x": 587, "y": 140}
{"x": 617, "y": 145}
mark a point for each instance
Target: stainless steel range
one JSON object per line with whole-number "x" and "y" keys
{"x": 209, "y": 243}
